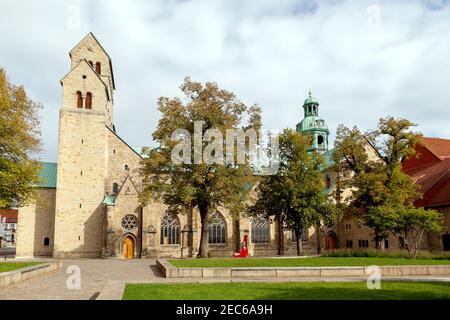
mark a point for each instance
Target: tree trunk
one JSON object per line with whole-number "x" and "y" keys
{"x": 204, "y": 218}
{"x": 280, "y": 236}
{"x": 299, "y": 235}
{"x": 318, "y": 238}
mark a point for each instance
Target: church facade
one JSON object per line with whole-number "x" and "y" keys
{"x": 88, "y": 205}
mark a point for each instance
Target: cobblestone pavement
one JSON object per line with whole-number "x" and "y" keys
{"x": 95, "y": 275}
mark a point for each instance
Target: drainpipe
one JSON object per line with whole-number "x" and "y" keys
{"x": 140, "y": 231}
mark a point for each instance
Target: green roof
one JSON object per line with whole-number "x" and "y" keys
{"x": 329, "y": 162}
{"x": 109, "y": 200}
{"x": 312, "y": 123}
{"x": 140, "y": 151}
{"x": 310, "y": 100}
{"x": 48, "y": 175}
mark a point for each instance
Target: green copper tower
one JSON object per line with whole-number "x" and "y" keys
{"x": 313, "y": 125}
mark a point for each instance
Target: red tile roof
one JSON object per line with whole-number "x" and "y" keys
{"x": 439, "y": 147}
{"x": 10, "y": 214}
{"x": 434, "y": 181}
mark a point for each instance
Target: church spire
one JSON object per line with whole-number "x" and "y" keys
{"x": 313, "y": 125}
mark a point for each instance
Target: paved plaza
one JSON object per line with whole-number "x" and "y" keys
{"x": 106, "y": 279}
{"x": 95, "y": 275}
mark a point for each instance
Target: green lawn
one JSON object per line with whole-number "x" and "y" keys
{"x": 289, "y": 291}
{"x": 8, "y": 266}
{"x": 301, "y": 262}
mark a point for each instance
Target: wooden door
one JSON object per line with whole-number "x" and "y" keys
{"x": 331, "y": 242}
{"x": 128, "y": 248}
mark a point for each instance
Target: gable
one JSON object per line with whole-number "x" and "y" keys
{"x": 424, "y": 158}
{"x": 90, "y": 48}
{"x": 82, "y": 67}
{"x": 439, "y": 147}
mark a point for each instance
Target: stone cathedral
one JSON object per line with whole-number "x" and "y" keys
{"x": 88, "y": 203}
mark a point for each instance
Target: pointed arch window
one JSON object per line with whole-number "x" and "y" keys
{"x": 216, "y": 228}
{"x": 88, "y": 102}
{"x": 170, "y": 229}
{"x": 260, "y": 230}
{"x": 79, "y": 100}
{"x": 98, "y": 68}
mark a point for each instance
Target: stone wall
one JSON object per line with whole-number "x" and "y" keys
{"x": 81, "y": 166}
{"x": 35, "y": 223}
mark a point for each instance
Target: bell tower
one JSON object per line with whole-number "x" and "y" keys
{"x": 85, "y": 115}
{"x": 313, "y": 125}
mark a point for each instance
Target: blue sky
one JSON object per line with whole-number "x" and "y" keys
{"x": 362, "y": 59}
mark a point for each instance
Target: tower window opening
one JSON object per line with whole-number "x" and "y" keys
{"x": 79, "y": 100}
{"x": 320, "y": 140}
{"x": 84, "y": 76}
{"x": 98, "y": 67}
{"x": 309, "y": 109}
{"x": 46, "y": 241}
{"x": 88, "y": 102}
{"x": 126, "y": 167}
{"x": 115, "y": 188}
{"x": 328, "y": 181}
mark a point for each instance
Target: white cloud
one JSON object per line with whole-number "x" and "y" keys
{"x": 360, "y": 66}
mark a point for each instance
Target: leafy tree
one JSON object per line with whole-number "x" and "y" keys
{"x": 193, "y": 183}
{"x": 295, "y": 194}
{"x": 379, "y": 186}
{"x": 408, "y": 224}
{"x": 19, "y": 139}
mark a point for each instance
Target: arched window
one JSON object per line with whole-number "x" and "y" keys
{"x": 98, "y": 67}
{"x": 46, "y": 241}
{"x": 88, "y": 102}
{"x": 126, "y": 167}
{"x": 328, "y": 181}
{"x": 115, "y": 188}
{"x": 79, "y": 100}
{"x": 170, "y": 229}
{"x": 260, "y": 230}
{"x": 320, "y": 140}
{"x": 216, "y": 228}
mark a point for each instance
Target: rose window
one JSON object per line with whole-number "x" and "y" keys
{"x": 129, "y": 222}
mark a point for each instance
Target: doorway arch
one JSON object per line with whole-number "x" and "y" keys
{"x": 331, "y": 241}
{"x": 128, "y": 246}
